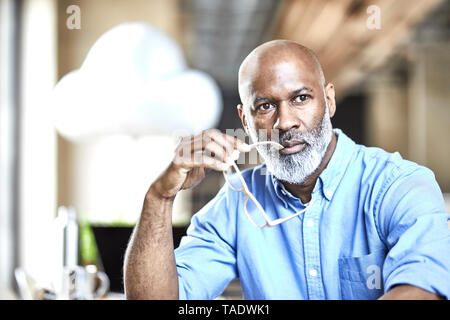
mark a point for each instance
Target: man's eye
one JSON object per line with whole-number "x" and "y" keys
{"x": 264, "y": 107}
{"x": 301, "y": 98}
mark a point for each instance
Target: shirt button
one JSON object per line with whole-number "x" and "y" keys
{"x": 329, "y": 193}
{"x": 313, "y": 273}
{"x": 310, "y": 223}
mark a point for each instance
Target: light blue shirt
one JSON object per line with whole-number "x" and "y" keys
{"x": 377, "y": 221}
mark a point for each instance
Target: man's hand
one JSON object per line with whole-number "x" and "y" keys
{"x": 194, "y": 156}
{"x": 150, "y": 270}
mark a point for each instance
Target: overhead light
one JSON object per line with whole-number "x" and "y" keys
{"x": 134, "y": 80}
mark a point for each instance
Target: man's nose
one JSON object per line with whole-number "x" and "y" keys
{"x": 286, "y": 118}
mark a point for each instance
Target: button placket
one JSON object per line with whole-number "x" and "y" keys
{"x": 311, "y": 247}
{"x": 313, "y": 273}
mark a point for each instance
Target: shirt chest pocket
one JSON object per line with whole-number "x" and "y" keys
{"x": 361, "y": 277}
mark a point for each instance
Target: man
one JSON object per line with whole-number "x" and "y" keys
{"x": 373, "y": 225}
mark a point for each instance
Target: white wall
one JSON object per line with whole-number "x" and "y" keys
{"x": 38, "y": 140}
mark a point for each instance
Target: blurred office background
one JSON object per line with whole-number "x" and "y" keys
{"x": 388, "y": 59}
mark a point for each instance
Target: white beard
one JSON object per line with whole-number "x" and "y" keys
{"x": 295, "y": 168}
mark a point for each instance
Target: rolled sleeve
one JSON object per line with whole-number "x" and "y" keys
{"x": 206, "y": 258}
{"x": 414, "y": 226}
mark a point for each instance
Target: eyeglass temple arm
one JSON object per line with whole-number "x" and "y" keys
{"x": 276, "y": 144}
{"x": 258, "y": 205}
{"x": 250, "y": 218}
{"x": 248, "y": 195}
{"x": 241, "y": 178}
{"x": 246, "y": 191}
{"x": 281, "y": 220}
{"x": 270, "y": 223}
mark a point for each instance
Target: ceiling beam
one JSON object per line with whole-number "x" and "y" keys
{"x": 337, "y": 32}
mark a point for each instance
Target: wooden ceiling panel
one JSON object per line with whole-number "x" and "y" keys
{"x": 337, "y": 32}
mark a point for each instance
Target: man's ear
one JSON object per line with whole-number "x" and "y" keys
{"x": 330, "y": 96}
{"x": 242, "y": 116}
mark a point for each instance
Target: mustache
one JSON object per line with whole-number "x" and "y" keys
{"x": 280, "y": 137}
{"x": 292, "y": 134}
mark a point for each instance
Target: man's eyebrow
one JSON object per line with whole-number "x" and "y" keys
{"x": 298, "y": 91}
{"x": 301, "y": 90}
{"x": 259, "y": 99}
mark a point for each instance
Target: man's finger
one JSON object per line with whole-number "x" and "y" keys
{"x": 216, "y": 151}
{"x": 232, "y": 143}
{"x": 204, "y": 161}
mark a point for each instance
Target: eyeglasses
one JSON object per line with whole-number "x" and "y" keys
{"x": 249, "y": 195}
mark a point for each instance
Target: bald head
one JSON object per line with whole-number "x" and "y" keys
{"x": 273, "y": 53}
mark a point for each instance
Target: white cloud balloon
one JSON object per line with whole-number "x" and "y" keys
{"x": 134, "y": 80}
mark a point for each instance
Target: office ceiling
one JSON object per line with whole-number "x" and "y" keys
{"x": 221, "y": 33}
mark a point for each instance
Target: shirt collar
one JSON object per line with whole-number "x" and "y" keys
{"x": 333, "y": 173}
{"x": 280, "y": 190}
